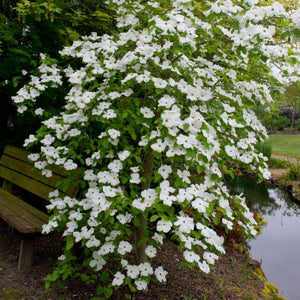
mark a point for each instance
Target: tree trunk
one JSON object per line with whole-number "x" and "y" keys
{"x": 140, "y": 230}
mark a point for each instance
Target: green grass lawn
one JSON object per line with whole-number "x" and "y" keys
{"x": 288, "y": 144}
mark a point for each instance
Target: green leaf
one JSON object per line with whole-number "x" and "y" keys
{"x": 296, "y": 32}
{"x": 69, "y": 242}
{"x": 84, "y": 277}
{"x": 47, "y": 285}
{"x": 100, "y": 290}
{"x": 216, "y": 220}
{"x": 108, "y": 292}
{"x": 154, "y": 218}
{"x": 52, "y": 277}
{"x": 165, "y": 218}
{"x": 104, "y": 276}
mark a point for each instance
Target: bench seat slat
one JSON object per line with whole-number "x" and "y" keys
{"x": 21, "y": 215}
{"x": 16, "y": 170}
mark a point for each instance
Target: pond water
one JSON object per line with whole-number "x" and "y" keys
{"x": 278, "y": 247}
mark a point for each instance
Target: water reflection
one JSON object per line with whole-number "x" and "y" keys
{"x": 278, "y": 247}
{"x": 264, "y": 198}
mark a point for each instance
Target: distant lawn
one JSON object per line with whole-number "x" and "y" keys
{"x": 288, "y": 144}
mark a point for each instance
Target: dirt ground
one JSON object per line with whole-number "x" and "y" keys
{"x": 233, "y": 277}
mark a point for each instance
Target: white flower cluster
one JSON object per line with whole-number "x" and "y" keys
{"x": 153, "y": 117}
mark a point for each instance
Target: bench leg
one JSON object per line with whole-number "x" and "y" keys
{"x": 26, "y": 254}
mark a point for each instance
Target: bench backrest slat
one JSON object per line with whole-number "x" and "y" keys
{"x": 27, "y": 169}
{"x": 26, "y": 183}
{"x": 16, "y": 168}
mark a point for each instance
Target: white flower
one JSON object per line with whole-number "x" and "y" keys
{"x": 158, "y": 238}
{"x": 191, "y": 256}
{"x": 133, "y": 271}
{"x": 39, "y": 111}
{"x": 160, "y": 274}
{"x": 145, "y": 269}
{"x": 149, "y": 195}
{"x": 89, "y": 175}
{"x": 98, "y": 262}
{"x": 137, "y": 203}
{"x": 186, "y": 224}
{"x": 164, "y": 171}
{"x": 184, "y": 175}
{"x": 231, "y": 151}
{"x": 124, "y": 263}
{"x": 150, "y": 251}
{"x": 124, "y": 247}
{"x": 184, "y": 194}
{"x": 200, "y": 204}
{"x": 33, "y": 156}
{"x": 21, "y": 109}
{"x": 118, "y": 279}
{"x": 62, "y": 257}
{"x": 135, "y": 169}
{"x": 123, "y": 219}
{"x": 47, "y": 173}
{"x": 159, "y": 146}
{"x": 228, "y": 223}
{"x": 108, "y": 247}
{"x": 210, "y": 257}
{"x": 70, "y": 165}
{"x": 164, "y": 226}
{"x": 48, "y": 140}
{"x": 141, "y": 284}
{"x": 123, "y": 155}
{"x": 93, "y": 242}
{"x": 187, "y": 141}
{"x": 74, "y": 132}
{"x": 204, "y": 267}
{"x": 109, "y": 114}
{"x": 49, "y": 227}
{"x": 109, "y": 191}
{"x": 135, "y": 178}
{"x": 115, "y": 166}
{"x": 30, "y": 139}
{"x": 40, "y": 165}
{"x": 166, "y": 101}
{"x": 54, "y": 194}
{"x": 113, "y": 133}
{"x": 172, "y": 119}
{"x": 147, "y": 112}
{"x": 159, "y": 83}
{"x": 166, "y": 193}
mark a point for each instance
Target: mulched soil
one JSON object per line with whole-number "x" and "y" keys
{"x": 233, "y": 276}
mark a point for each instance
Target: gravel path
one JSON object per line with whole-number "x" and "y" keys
{"x": 291, "y": 159}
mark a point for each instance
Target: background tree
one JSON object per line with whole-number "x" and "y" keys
{"x": 28, "y": 28}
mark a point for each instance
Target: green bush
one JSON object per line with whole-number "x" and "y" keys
{"x": 298, "y": 125}
{"x": 278, "y": 163}
{"x": 274, "y": 122}
{"x": 294, "y": 172}
{"x": 265, "y": 148}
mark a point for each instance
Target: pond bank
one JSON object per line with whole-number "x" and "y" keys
{"x": 280, "y": 179}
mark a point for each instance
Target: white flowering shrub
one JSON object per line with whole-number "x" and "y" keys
{"x": 154, "y": 116}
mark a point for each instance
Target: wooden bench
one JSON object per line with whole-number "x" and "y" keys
{"x": 27, "y": 217}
